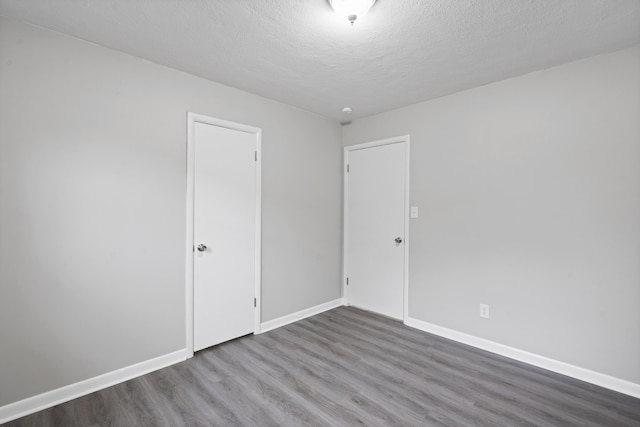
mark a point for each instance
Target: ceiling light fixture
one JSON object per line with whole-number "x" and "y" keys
{"x": 351, "y": 9}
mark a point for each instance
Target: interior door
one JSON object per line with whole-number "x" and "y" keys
{"x": 224, "y": 234}
{"x": 375, "y": 229}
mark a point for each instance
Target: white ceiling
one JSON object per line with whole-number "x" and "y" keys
{"x": 301, "y": 53}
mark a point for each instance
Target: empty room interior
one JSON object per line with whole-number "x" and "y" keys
{"x": 321, "y": 212}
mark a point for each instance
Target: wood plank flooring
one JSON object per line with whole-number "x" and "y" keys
{"x": 346, "y": 367}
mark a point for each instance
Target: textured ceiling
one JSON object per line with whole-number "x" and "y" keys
{"x": 301, "y": 53}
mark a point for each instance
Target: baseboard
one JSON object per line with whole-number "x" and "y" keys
{"x": 299, "y": 315}
{"x": 602, "y": 380}
{"x": 60, "y": 395}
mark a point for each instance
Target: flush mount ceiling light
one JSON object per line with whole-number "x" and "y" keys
{"x": 351, "y": 9}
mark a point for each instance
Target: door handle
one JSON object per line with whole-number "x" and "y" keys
{"x": 202, "y": 248}
{"x": 398, "y": 240}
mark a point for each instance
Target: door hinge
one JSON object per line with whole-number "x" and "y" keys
{"x": 347, "y": 168}
{"x": 256, "y": 156}
{"x": 347, "y": 281}
{"x": 255, "y": 302}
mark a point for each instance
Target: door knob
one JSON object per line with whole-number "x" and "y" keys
{"x": 202, "y": 247}
{"x": 398, "y": 240}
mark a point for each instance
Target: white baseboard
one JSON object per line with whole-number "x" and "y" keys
{"x": 60, "y": 395}
{"x": 602, "y": 380}
{"x": 299, "y": 315}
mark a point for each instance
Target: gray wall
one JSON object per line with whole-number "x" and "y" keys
{"x": 529, "y": 195}
{"x": 92, "y": 207}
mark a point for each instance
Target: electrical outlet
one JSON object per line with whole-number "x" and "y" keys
{"x": 484, "y": 311}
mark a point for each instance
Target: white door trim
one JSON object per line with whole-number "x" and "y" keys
{"x": 345, "y": 213}
{"x": 192, "y": 119}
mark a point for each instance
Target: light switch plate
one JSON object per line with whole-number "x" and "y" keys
{"x": 414, "y": 212}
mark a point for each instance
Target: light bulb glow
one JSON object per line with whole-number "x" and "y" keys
{"x": 351, "y": 9}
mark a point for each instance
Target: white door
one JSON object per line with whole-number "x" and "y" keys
{"x": 376, "y": 228}
{"x": 224, "y": 234}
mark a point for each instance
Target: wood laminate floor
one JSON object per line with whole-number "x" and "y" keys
{"x": 346, "y": 367}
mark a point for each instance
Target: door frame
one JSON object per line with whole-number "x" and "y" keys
{"x": 345, "y": 241}
{"x": 192, "y": 119}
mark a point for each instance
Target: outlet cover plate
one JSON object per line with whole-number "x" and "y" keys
{"x": 484, "y": 311}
